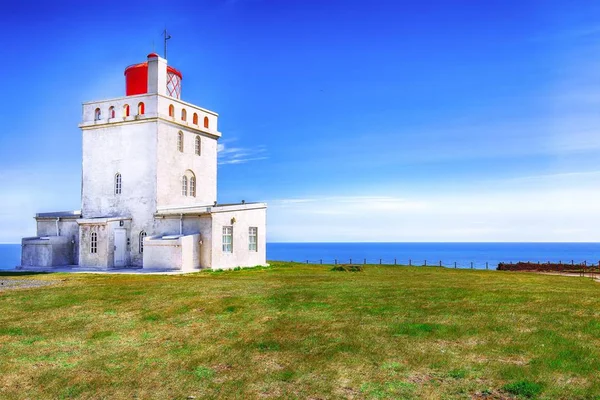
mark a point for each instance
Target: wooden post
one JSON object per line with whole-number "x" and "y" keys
{"x": 380, "y": 261}
{"x": 425, "y": 263}
{"x": 350, "y": 261}
{"x": 321, "y": 261}
{"x": 440, "y": 263}
{"x": 396, "y": 264}
{"x": 410, "y": 262}
{"x": 471, "y": 264}
{"x": 454, "y": 264}
{"x": 335, "y": 261}
{"x": 486, "y": 265}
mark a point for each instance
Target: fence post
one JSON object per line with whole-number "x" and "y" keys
{"x": 350, "y": 261}
{"x": 440, "y": 263}
{"x": 395, "y": 261}
{"x": 380, "y": 261}
{"x": 425, "y": 263}
{"x": 410, "y": 262}
{"x": 365, "y": 261}
{"x": 321, "y": 261}
{"x": 454, "y": 264}
{"x": 471, "y": 264}
{"x": 307, "y": 261}
{"x": 486, "y": 265}
{"x": 335, "y": 261}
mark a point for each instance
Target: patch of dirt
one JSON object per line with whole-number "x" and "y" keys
{"x": 8, "y": 284}
{"x": 491, "y": 395}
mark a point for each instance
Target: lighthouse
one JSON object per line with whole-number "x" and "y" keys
{"x": 149, "y": 188}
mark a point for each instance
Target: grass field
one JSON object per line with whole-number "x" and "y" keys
{"x": 302, "y": 331}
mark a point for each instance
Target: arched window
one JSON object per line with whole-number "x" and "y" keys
{"x": 180, "y": 141}
{"x": 118, "y": 183}
{"x": 97, "y": 114}
{"x": 183, "y": 114}
{"x": 206, "y": 122}
{"x": 142, "y": 236}
{"x": 94, "y": 243}
{"x": 195, "y": 119}
{"x": 198, "y": 147}
{"x": 171, "y": 110}
{"x": 184, "y": 186}
{"x": 126, "y": 110}
{"x": 190, "y": 177}
{"x": 111, "y": 112}
{"x": 141, "y": 108}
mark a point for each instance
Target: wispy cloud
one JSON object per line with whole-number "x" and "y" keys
{"x": 228, "y": 154}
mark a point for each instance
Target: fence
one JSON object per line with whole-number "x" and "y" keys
{"x": 481, "y": 265}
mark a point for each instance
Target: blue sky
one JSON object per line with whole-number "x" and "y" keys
{"x": 355, "y": 120}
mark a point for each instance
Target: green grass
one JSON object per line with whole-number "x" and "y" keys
{"x": 302, "y": 331}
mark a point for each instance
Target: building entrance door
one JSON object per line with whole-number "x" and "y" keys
{"x": 120, "y": 246}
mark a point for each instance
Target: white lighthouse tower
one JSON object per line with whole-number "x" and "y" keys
{"x": 149, "y": 188}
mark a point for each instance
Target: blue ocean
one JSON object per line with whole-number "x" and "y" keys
{"x": 463, "y": 254}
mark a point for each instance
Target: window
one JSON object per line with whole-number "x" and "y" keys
{"x": 198, "y": 147}
{"x": 195, "y": 119}
{"x": 228, "y": 239}
{"x": 126, "y": 110}
{"x": 118, "y": 183}
{"x": 141, "y": 108}
{"x": 180, "y": 141}
{"x": 184, "y": 185}
{"x": 183, "y": 115}
{"x": 97, "y": 114}
{"x": 193, "y": 186}
{"x": 171, "y": 111}
{"x": 206, "y": 122}
{"x": 94, "y": 243}
{"x": 142, "y": 236}
{"x": 253, "y": 239}
{"x": 111, "y": 112}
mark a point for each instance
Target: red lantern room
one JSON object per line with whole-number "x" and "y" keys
{"x": 137, "y": 82}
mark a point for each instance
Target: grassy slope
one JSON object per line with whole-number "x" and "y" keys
{"x": 301, "y": 331}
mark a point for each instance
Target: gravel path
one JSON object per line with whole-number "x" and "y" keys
{"x": 7, "y": 284}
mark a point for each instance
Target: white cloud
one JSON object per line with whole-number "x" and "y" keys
{"x": 239, "y": 155}
{"x": 562, "y": 207}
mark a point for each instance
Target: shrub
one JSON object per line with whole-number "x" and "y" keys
{"x": 348, "y": 268}
{"x": 523, "y": 388}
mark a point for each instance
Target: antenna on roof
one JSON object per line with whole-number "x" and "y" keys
{"x": 167, "y": 37}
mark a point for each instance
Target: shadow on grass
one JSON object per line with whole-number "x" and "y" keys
{"x": 23, "y": 273}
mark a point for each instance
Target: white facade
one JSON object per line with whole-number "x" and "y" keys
{"x": 149, "y": 177}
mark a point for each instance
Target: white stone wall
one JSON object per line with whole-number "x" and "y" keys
{"x": 86, "y": 257}
{"x": 67, "y": 227}
{"x": 173, "y": 164}
{"x": 191, "y": 225}
{"x": 49, "y": 252}
{"x": 241, "y": 255}
{"x": 181, "y": 254}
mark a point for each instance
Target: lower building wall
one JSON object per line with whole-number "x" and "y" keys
{"x": 51, "y": 251}
{"x": 182, "y": 253}
{"x": 241, "y": 221}
{"x": 100, "y": 257}
{"x": 67, "y": 227}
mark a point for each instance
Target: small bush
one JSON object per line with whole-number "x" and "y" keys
{"x": 203, "y": 373}
{"x": 524, "y": 388}
{"x": 348, "y": 268}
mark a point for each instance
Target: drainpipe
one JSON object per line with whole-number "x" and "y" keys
{"x": 181, "y": 224}
{"x": 57, "y": 219}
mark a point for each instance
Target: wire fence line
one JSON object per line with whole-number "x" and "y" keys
{"x": 439, "y": 263}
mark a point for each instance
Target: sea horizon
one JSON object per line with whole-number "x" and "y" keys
{"x": 477, "y": 255}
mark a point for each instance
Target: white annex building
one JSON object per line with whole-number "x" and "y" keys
{"x": 149, "y": 188}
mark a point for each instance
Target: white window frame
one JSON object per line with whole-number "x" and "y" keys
{"x": 180, "y": 141}
{"x": 227, "y": 239}
{"x": 118, "y": 183}
{"x": 193, "y": 186}
{"x": 94, "y": 243}
{"x": 142, "y": 236}
{"x": 253, "y": 238}
{"x": 184, "y": 187}
{"x": 198, "y": 147}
